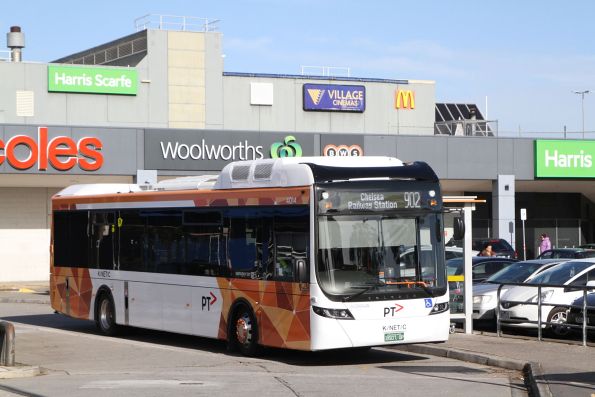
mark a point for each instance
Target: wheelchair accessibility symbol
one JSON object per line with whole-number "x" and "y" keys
{"x": 428, "y": 302}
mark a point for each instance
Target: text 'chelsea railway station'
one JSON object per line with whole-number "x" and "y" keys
{"x": 159, "y": 104}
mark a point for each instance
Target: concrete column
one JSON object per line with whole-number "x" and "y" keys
{"x": 503, "y": 190}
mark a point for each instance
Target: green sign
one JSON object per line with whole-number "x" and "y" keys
{"x": 95, "y": 80}
{"x": 564, "y": 159}
{"x": 289, "y": 148}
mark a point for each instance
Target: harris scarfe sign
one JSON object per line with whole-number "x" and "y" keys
{"x": 334, "y": 97}
{"x": 564, "y": 159}
{"x": 92, "y": 80}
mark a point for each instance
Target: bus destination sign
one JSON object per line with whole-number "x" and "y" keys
{"x": 368, "y": 201}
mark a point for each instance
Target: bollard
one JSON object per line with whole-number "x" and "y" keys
{"x": 6, "y": 344}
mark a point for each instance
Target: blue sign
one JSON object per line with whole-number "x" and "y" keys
{"x": 332, "y": 97}
{"x": 428, "y": 302}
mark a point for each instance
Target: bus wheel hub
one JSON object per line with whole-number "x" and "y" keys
{"x": 243, "y": 329}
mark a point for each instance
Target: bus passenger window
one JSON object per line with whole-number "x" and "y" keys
{"x": 291, "y": 243}
{"x": 132, "y": 241}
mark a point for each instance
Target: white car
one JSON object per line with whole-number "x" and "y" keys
{"x": 579, "y": 272}
{"x": 485, "y": 294}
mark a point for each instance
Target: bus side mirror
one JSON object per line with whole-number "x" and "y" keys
{"x": 302, "y": 271}
{"x": 459, "y": 228}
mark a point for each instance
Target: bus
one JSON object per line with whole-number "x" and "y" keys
{"x": 299, "y": 253}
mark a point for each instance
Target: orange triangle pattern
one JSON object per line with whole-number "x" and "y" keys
{"x": 80, "y": 291}
{"x": 282, "y": 310}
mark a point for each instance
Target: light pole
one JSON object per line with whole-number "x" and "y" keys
{"x": 582, "y": 94}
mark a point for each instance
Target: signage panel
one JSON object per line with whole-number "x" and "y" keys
{"x": 404, "y": 99}
{"x": 564, "y": 159}
{"x": 342, "y": 145}
{"x": 67, "y": 150}
{"x": 94, "y": 80}
{"x": 337, "y": 201}
{"x": 333, "y": 97}
{"x": 210, "y": 150}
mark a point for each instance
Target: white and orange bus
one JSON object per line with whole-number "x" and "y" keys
{"x": 300, "y": 253}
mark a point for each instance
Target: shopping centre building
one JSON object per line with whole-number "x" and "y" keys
{"x": 158, "y": 103}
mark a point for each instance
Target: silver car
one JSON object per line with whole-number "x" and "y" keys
{"x": 485, "y": 293}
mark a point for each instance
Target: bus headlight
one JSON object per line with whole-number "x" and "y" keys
{"x": 439, "y": 308}
{"x": 339, "y": 314}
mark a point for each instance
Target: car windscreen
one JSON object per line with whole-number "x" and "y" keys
{"x": 560, "y": 274}
{"x": 515, "y": 273}
{"x": 454, "y": 266}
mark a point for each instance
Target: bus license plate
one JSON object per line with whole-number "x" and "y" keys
{"x": 394, "y": 336}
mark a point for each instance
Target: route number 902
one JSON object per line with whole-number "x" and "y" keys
{"x": 412, "y": 199}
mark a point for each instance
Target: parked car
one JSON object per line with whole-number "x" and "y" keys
{"x": 588, "y": 246}
{"x": 500, "y": 246}
{"x": 485, "y": 297}
{"x": 576, "y": 314}
{"x": 408, "y": 262}
{"x": 569, "y": 253}
{"x": 579, "y": 272}
{"x": 482, "y": 267}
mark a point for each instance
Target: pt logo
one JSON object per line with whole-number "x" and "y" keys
{"x": 288, "y": 148}
{"x": 391, "y": 310}
{"x": 208, "y": 301}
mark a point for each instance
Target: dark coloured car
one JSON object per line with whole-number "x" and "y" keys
{"x": 482, "y": 267}
{"x": 500, "y": 246}
{"x": 569, "y": 253}
{"x": 575, "y": 314}
{"x": 590, "y": 246}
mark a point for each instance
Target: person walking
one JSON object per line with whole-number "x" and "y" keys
{"x": 545, "y": 243}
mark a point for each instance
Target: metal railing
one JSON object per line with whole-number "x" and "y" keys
{"x": 5, "y": 56}
{"x": 540, "y": 323}
{"x": 467, "y": 128}
{"x": 328, "y": 71}
{"x": 111, "y": 54}
{"x": 176, "y": 22}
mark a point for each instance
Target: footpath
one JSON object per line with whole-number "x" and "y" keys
{"x": 556, "y": 369}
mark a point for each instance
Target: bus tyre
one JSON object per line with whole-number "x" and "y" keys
{"x": 105, "y": 315}
{"x": 245, "y": 331}
{"x": 558, "y": 315}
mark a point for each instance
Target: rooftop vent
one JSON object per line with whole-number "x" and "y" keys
{"x": 15, "y": 40}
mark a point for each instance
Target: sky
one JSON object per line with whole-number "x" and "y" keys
{"x": 523, "y": 59}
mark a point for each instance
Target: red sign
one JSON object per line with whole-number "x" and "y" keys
{"x": 61, "y": 152}
{"x": 342, "y": 150}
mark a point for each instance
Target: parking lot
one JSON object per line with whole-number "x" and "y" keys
{"x": 75, "y": 360}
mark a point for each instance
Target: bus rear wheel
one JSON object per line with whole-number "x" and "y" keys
{"x": 105, "y": 315}
{"x": 245, "y": 331}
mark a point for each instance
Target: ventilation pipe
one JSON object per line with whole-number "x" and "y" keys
{"x": 15, "y": 41}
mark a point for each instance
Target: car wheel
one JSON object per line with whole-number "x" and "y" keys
{"x": 105, "y": 315}
{"x": 558, "y": 315}
{"x": 245, "y": 331}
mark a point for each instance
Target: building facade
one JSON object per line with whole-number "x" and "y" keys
{"x": 158, "y": 104}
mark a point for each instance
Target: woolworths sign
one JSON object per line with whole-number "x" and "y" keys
{"x": 119, "y": 81}
{"x": 564, "y": 159}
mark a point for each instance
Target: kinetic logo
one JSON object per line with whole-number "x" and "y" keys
{"x": 61, "y": 152}
{"x": 342, "y": 151}
{"x": 288, "y": 148}
{"x": 404, "y": 99}
{"x": 315, "y": 95}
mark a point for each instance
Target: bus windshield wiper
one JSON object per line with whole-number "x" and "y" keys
{"x": 365, "y": 288}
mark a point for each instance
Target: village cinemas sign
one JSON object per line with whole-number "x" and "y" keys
{"x": 62, "y": 153}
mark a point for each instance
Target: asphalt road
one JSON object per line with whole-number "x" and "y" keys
{"x": 76, "y": 361}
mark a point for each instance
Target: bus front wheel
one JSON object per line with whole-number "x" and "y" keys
{"x": 245, "y": 331}
{"x": 105, "y": 315}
